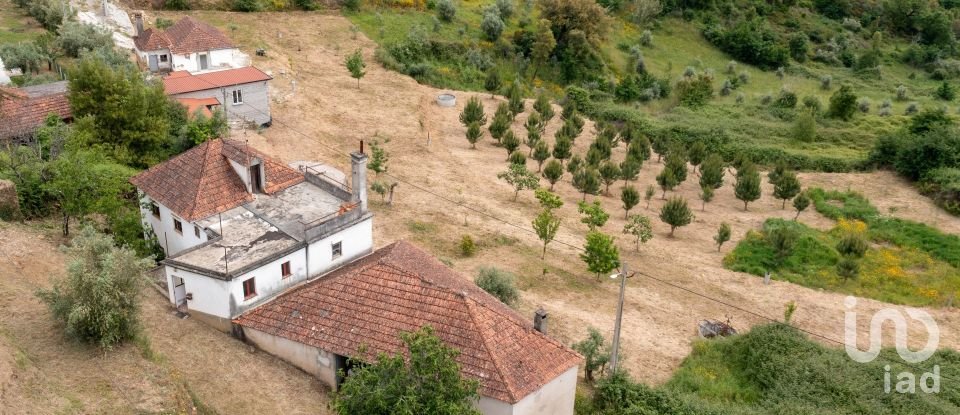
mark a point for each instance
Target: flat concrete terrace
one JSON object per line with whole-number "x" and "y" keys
{"x": 291, "y": 208}
{"x": 245, "y": 240}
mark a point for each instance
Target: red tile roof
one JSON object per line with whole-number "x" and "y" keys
{"x": 22, "y": 110}
{"x": 401, "y": 288}
{"x": 186, "y": 36}
{"x": 201, "y": 182}
{"x": 179, "y": 82}
{"x": 202, "y": 104}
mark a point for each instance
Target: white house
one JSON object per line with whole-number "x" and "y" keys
{"x": 239, "y": 227}
{"x": 188, "y": 45}
{"x": 359, "y": 311}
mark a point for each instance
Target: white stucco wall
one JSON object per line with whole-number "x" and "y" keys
{"x": 171, "y": 240}
{"x": 269, "y": 281}
{"x": 356, "y": 241}
{"x": 554, "y": 398}
{"x": 312, "y": 360}
{"x": 145, "y": 58}
{"x": 255, "y": 107}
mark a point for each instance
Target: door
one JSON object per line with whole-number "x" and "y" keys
{"x": 203, "y": 61}
{"x": 256, "y": 182}
{"x": 154, "y": 66}
{"x": 179, "y": 291}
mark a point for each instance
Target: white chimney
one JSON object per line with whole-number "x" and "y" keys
{"x": 358, "y": 182}
{"x": 138, "y": 21}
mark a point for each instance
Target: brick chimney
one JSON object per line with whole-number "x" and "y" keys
{"x": 540, "y": 320}
{"x": 358, "y": 182}
{"x": 138, "y": 21}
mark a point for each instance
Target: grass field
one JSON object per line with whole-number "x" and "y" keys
{"x": 16, "y": 26}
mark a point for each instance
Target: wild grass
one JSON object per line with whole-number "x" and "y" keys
{"x": 15, "y": 25}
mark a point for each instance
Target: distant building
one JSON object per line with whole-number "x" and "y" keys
{"x": 239, "y": 227}
{"x": 23, "y": 110}
{"x": 243, "y": 93}
{"x": 188, "y": 45}
{"x": 359, "y": 311}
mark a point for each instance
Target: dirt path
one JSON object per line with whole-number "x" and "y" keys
{"x": 325, "y": 114}
{"x": 42, "y": 372}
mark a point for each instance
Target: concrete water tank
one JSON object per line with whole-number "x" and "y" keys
{"x": 446, "y": 100}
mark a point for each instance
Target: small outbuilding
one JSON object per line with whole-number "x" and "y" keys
{"x": 359, "y": 311}
{"x": 242, "y": 93}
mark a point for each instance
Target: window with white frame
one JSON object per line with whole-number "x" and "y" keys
{"x": 237, "y": 97}
{"x": 336, "y": 250}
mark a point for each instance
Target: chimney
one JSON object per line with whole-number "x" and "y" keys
{"x": 358, "y": 168}
{"x": 138, "y": 21}
{"x": 540, "y": 320}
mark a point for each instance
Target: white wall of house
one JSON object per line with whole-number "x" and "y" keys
{"x": 161, "y": 65}
{"x": 255, "y": 97}
{"x": 164, "y": 228}
{"x": 269, "y": 281}
{"x": 554, "y": 398}
{"x": 312, "y": 360}
{"x": 355, "y": 241}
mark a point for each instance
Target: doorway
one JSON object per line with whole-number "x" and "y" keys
{"x": 203, "y": 62}
{"x": 179, "y": 292}
{"x": 256, "y": 180}
{"x": 154, "y": 65}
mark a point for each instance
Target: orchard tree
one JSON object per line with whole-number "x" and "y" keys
{"x": 747, "y": 186}
{"x": 474, "y": 133}
{"x": 639, "y": 227}
{"x": 660, "y": 146}
{"x": 595, "y": 353}
{"x": 576, "y": 164}
{"x": 501, "y": 122}
{"x": 562, "y": 147}
{"x": 473, "y": 113}
{"x": 534, "y": 127}
{"x": 706, "y": 195}
{"x": 648, "y": 194}
{"x": 778, "y": 170}
{"x": 541, "y": 152}
{"x": 356, "y": 66}
{"x": 548, "y": 199}
{"x": 787, "y": 187}
{"x": 666, "y": 180}
{"x": 609, "y": 173}
{"x": 379, "y": 157}
{"x": 639, "y": 148}
{"x": 515, "y": 97}
{"x": 98, "y": 301}
{"x": 546, "y": 225}
{"x": 630, "y": 198}
{"x": 517, "y": 158}
{"x": 587, "y": 181}
{"x": 723, "y": 235}
{"x": 543, "y": 107}
{"x": 600, "y": 253}
{"x": 520, "y": 178}
{"x": 800, "y": 203}
{"x": 676, "y": 213}
{"x": 629, "y": 169}
{"x": 424, "y": 380}
{"x": 553, "y": 171}
{"x": 711, "y": 172}
{"x": 593, "y": 214}
{"x": 510, "y": 142}
{"x": 677, "y": 161}
{"x": 697, "y": 153}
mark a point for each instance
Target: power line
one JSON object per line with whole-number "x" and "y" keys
{"x": 580, "y": 248}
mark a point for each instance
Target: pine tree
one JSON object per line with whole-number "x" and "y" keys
{"x": 747, "y": 186}
{"x": 516, "y": 98}
{"x": 697, "y": 153}
{"x": 706, "y": 195}
{"x": 575, "y": 164}
{"x": 501, "y": 122}
{"x": 473, "y": 113}
{"x": 629, "y": 169}
{"x": 510, "y": 142}
{"x": 676, "y": 213}
{"x": 660, "y": 146}
{"x": 587, "y": 181}
{"x": 609, "y": 173}
{"x": 543, "y": 107}
{"x": 711, "y": 172}
{"x": 666, "y": 180}
{"x": 492, "y": 84}
{"x": 649, "y": 193}
{"x": 562, "y": 147}
{"x": 541, "y": 153}
{"x": 474, "y": 133}
{"x": 553, "y": 171}
{"x": 677, "y": 161}
{"x": 787, "y": 187}
{"x": 723, "y": 235}
{"x": 630, "y": 198}
{"x": 639, "y": 148}
{"x": 800, "y": 203}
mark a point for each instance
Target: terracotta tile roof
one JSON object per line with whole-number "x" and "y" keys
{"x": 201, "y": 182}
{"x": 22, "y": 110}
{"x": 202, "y": 104}
{"x": 402, "y": 288}
{"x": 179, "y": 82}
{"x": 186, "y": 36}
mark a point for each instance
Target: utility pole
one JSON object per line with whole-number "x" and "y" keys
{"x": 615, "y": 353}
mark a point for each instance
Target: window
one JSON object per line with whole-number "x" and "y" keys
{"x": 178, "y": 226}
{"x": 336, "y": 250}
{"x": 249, "y": 289}
{"x": 285, "y": 269}
{"x": 196, "y": 230}
{"x": 163, "y": 58}
{"x": 155, "y": 209}
{"x": 237, "y": 97}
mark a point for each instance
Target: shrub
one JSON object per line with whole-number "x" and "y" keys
{"x": 176, "y": 5}
{"x": 852, "y": 244}
{"x": 901, "y": 93}
{"x": 467, "y": 246}
{"x": 934, "y": 149}
{"x": 492, "y": 25}
{"x": 446, "y": 10}
{"x": 99, "y": 300}
{"x": 695, "y": 91}
{"x": 750, "y": 41}
{"x": 351, "y": 5}
{"x": 498, "y": 283}
{"x": 843, "y": 104}
{"x": 505, "y": 7}
{"x": 246, "y": 6}
{"x": 945, "y": 92}
{"x": 848, "y": 268}
{"x": 786, "y": 99}
{"x": 805, "y": 127}
{"x": 75, "y": 37}
{"x": 943, "y": 185}
{"x": 798, "y": 47}
{"x": 912, "y": 108}
{"x": 864, "y": 105}
{"x": 646, "y": 38}
{"x": 812, "y": 104}
{"x": 825, "y": 82}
